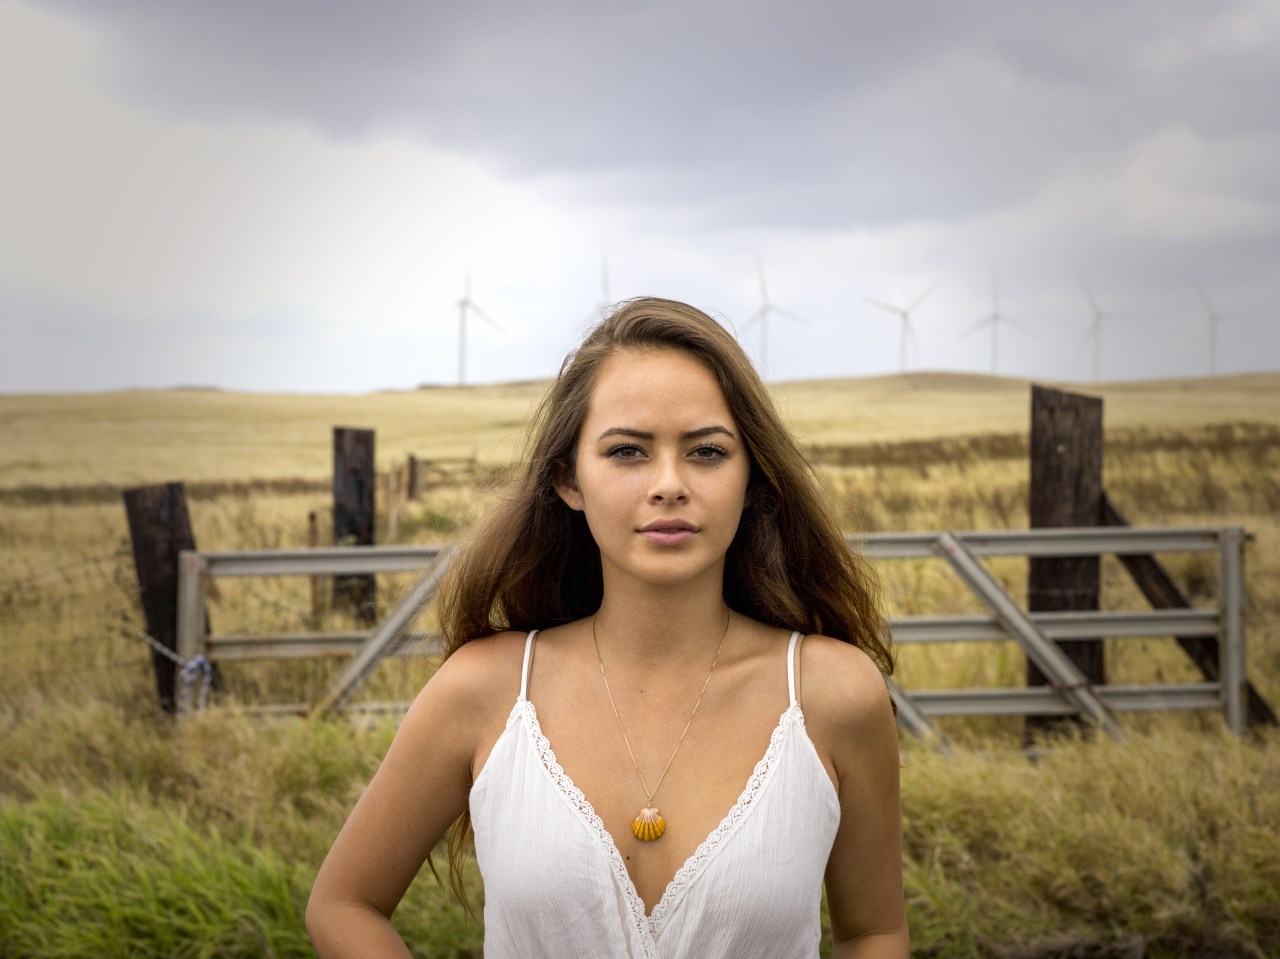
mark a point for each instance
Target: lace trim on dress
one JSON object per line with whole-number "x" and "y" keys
{"x": 651, "y": 924}
{"x": 635, "y": 905}
{"x": 687, "y": 873}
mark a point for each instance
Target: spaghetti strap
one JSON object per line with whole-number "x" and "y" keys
{"x": 791, "y": 667}
{"x": 524, "y": 669}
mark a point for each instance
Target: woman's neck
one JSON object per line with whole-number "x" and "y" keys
{"x": 667, "y": 627}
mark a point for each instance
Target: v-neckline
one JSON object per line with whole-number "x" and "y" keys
{"x": 651, "y": 922}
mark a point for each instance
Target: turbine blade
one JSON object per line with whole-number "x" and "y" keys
{"x": 1020, "y": 326}
{"x": 486, "y": 317}
{"x": 789, "y": 315}
{"x": 977, "y": 326}
{"x": 895, "y": 310}
{"x": 920, "y": 299}
{"x": 1089, "y": 293}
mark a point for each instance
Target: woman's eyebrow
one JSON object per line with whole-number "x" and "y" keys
{"x": 643, "y": 435}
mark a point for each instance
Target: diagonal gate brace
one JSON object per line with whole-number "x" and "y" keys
{"x": 1062, "y": 672}
{"x": 912, "y": 718}
{"x": 382, "y": 640}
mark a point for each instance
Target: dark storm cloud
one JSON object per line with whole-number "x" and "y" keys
{"x": 774, "y": 115}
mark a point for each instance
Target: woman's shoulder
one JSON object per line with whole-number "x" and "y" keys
{"x": 848, "y": 711}
{"x": 483, "y": 673}
{"x": 461, "y": 706}
{"x": 841, "y": 686}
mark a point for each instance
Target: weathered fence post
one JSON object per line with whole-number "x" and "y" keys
{"x": 353, "y": 499}
{"x": 393, "y": 505}
{"x": 317, "y": 587}
{"x": 1066, "y": 490}
{"x": 160, "y": 528}
{"x": 412, "y": 484}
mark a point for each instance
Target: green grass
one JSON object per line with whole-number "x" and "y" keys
{"x": 121, "y": 836}
{"x": 111, "y": 874}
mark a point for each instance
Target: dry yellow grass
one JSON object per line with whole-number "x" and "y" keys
{"x": 155, "y": 436}
{"x": 65, "y": 567}
{"x": 929, "y": 405}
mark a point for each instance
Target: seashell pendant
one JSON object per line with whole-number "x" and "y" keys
{"x": 649, "y": 825}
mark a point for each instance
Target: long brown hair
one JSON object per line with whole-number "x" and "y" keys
{"x": 531, "y": 563}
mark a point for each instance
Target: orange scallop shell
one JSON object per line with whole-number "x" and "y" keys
{"x": 649, "y": 825}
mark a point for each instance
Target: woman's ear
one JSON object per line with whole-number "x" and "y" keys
{"x": 567, "y": 490}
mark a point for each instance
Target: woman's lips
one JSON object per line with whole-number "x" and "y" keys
{"x": 668, "y": 533}
{"x": 666, "y": 536}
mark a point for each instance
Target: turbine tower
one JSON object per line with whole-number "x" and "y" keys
{"x": 605, "y": 298}
{"x": 994, "y": 321}
{"x": 904, "y": 314}
{"x": 1095, "y": 331}
{"x": 761, "y": 316}
{"x": 1214, "y": 318}
{"x": 602, "y": 308}
{"x": 465, "y": 305}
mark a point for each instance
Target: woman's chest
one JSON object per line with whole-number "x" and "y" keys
{"x": 691, "y": 778}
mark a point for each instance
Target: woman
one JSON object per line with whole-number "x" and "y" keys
{"x": 663, "y": 711}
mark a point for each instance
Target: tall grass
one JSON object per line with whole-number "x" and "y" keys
{"x": 1168, "y": 837}
{"x": 123, "y": 835}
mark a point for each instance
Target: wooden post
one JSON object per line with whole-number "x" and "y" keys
{"x": 1066, "y": 490}
{"x": 353, "y": 505}
{"x": 393, "y": 505}
{"x": 160, "y": 528}
{"x": 412, "y": 483}
{"x": 317, "y": 587}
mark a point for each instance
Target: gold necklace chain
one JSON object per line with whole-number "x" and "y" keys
{"x": 650, "y": 825}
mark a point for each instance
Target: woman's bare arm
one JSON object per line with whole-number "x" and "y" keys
{"x": 853, "y": 726}
{"x": 421, "y": 787}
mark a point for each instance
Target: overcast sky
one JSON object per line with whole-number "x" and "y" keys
{"x": 290, "y": 195}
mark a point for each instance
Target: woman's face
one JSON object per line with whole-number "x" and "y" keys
{"x": 661, "y": 470}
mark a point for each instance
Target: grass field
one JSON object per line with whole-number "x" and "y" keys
{"x": 202, "y": 435}
{"x": 120, "y": 835}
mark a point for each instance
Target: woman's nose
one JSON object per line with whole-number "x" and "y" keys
{"x": 669, "y": 484}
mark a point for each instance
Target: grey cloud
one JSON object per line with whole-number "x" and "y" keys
{"x": 762, "y": 114}
{"x": 1135, "y": 143}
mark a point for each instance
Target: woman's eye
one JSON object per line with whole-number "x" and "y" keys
{"x": 710, "y": 452}
{"x": 625, "y": 451}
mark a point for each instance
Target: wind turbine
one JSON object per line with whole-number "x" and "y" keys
{"x": 905, "y": 316}
{"x": 761, "y": 315}
{"x": 464, "y": 305}
{"x": 994, "y": 321}
{"x": 606, "y": 301}
{"x": 1214, "y": 318}
{"x": 605, "y": 298}
{"x": 1095, "y": 331}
